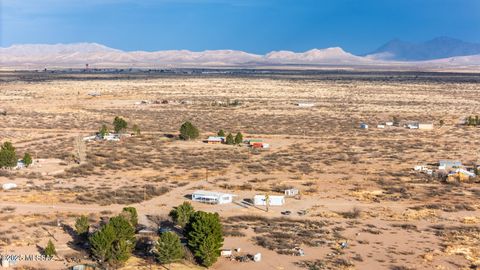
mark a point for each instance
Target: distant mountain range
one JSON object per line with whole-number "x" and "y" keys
{"x": 437, "y": 48}
{"x": 437, "y": 53}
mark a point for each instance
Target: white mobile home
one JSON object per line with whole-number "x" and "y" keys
{"x": 212, "y": 197}
{"x": 273, "y": 200}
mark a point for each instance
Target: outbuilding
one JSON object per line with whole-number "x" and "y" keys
{"x": 8, "y": 186}
{"x": 363, "y": 126}
{"x": 212, "y": 197}
{"x": 305, "y": 104}
{"x": 273, "y": 200}
{"x": 291, "y": 192}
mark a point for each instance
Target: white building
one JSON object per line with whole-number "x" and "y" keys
{"x": 449, "y": 164}
{"x": 380, "y": 126}
{"x": 8, "y": 186}
{"x": 305, "y": 104}
{"x": 291, "y": 192}
{"x": 226, "y": 252}
{"x": 212, "y": 197}
{"x": 388, "y": 123}
{"x": 273, "y": 200}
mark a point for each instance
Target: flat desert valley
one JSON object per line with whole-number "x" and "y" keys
{"x": 360, "y": 203}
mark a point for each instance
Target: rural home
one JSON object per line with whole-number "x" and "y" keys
{"x": 380, "y": 126}
{"x": 291, "y": 192}
{"x": 215, "y": 139}
{"x": 449, "y": 164}
{"x": 273, "y": 200}
{"x": 363, "y": 126}
{"x": 212, "y": 197}
{"x": 389, "y": 123}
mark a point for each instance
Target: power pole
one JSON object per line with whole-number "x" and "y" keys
{"x": 267, "y": 201}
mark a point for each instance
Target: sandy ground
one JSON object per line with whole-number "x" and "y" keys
{"x": 358, "y": 185}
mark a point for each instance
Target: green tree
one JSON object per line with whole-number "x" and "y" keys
{"x": 101, "y": 243}
{"x": 229, "y": 139}
{"x": 181, "y": 214}
{"x": 204, "y": 235}
{"x": 238, "y": 138}
{"x": 50, "y": 249}
{"x": 121, "y": 251}
{"x": 130, "y": 213}
{"x": 169, "y": 248}
{"x": 8, "y": 156}
{"x": 27, "y": 159}
{"x": 114, "y": 242}
{"x": 221, "y": 133}
{"x": 136, "y": 129}
{"x": 188, "y": 131}
{"x": 103, "y": 131}
{"x": 82, "y": 227}
{"x": 119, "y": 124}
{"x": 123, "y": 229}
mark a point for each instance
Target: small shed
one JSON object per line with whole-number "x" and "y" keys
{"x": 273, "y": 200}
{"x": 20, "y": 165}
{"x": 363, "y": 126}
{"x": 212, "y": 197}
{"x": 305, "y": 104}
{"x": 380, "y": 126}
{"x": 257, "y": 257}
{"x": 8, "y": 186}
{"x": 226, "y": 252}
{"x": 291, "y": 192}
{"x": 389, "y": 123}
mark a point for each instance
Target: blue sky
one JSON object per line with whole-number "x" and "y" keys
{"x": 256, "y": 26}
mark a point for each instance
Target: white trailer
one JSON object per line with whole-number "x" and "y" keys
{"x": 212, "y": 197}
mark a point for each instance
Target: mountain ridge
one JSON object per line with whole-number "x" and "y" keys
{"x": 79, "y": 54}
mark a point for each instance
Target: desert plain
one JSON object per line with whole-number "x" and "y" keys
{"x": 357, "y": 186}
